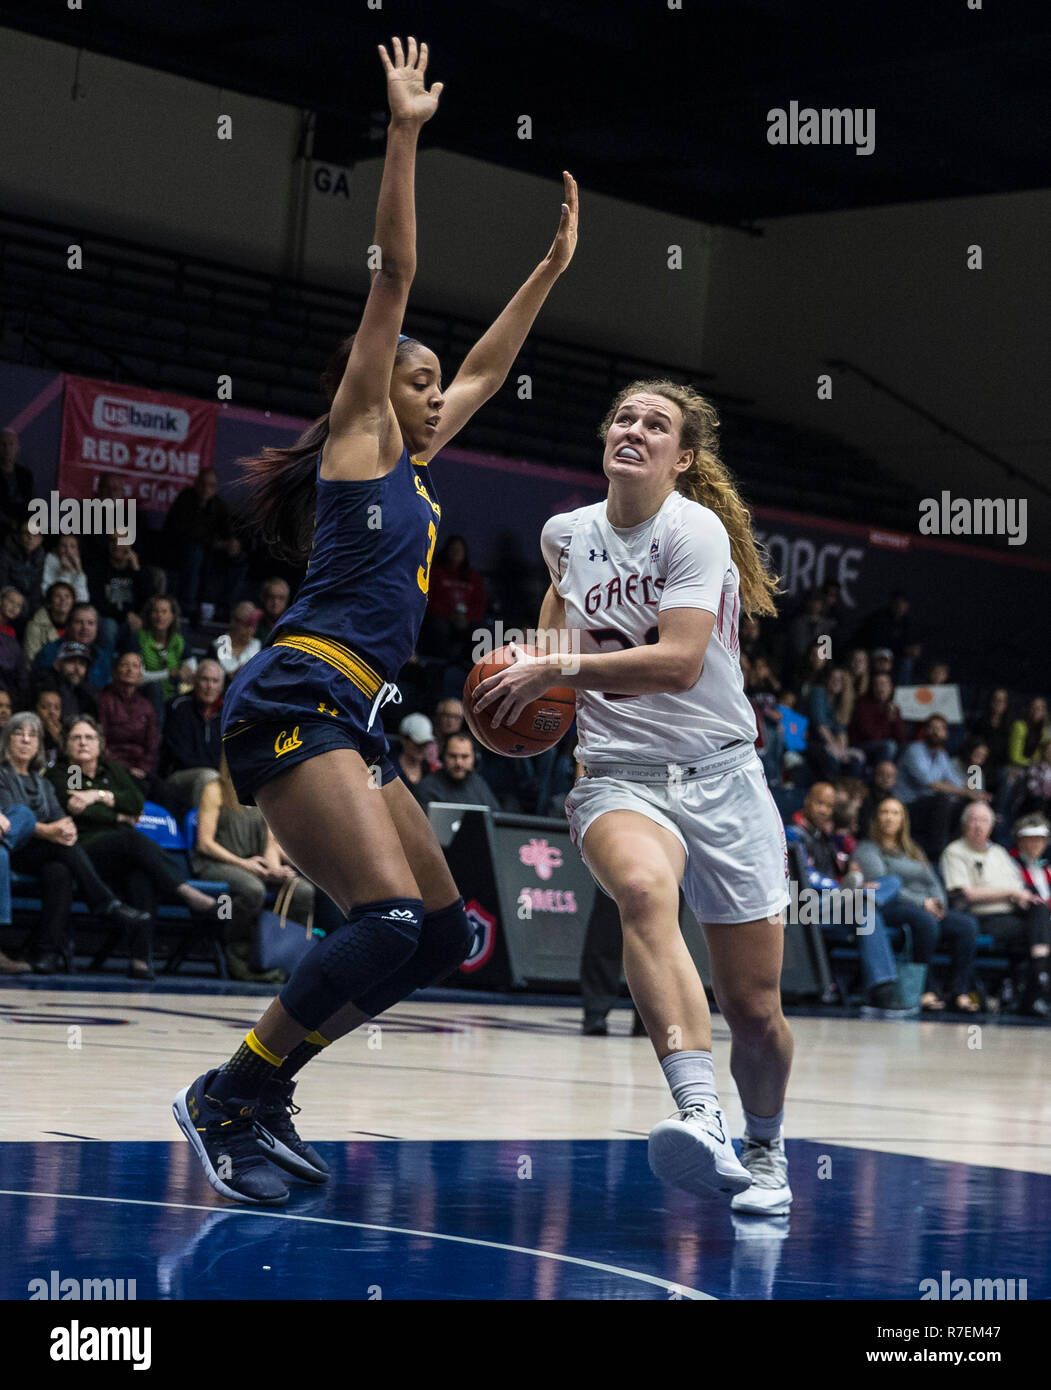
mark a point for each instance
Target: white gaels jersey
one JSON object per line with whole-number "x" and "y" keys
{"x": 615, "y": 584}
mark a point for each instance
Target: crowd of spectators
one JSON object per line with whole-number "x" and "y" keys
{"x": 114, "y": 659}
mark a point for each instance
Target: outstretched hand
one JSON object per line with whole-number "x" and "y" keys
{"x": 565, "y": 242}
{"x": 408, "y": 98}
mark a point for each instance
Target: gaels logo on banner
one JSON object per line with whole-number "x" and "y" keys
{"x": 544, "y": 859}
{"x": 156, "y": 443}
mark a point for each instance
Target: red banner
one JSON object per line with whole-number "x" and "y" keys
{"x": 157, "y": 443}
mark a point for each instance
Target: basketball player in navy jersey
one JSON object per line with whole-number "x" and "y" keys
{"x": 300, "y": 721}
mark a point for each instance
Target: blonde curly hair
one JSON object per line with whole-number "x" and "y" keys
{"x": 708, "y": 481}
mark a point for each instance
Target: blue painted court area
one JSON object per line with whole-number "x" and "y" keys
{"x": 536, "y": 1220}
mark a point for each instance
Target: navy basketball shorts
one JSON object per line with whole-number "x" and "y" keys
{"x": 303, "y": 696}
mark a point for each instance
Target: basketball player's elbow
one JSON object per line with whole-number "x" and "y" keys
{"x": 684, "y": 670}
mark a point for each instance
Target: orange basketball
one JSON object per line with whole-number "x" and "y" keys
{"x": 540, "y": 725}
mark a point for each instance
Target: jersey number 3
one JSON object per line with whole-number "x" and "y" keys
{"x": 603, "y": 636}
{"x": 423, "y": 574}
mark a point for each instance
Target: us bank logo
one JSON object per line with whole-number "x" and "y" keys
{"x": 119, "y": 415}
{"x": 541, "y": 856}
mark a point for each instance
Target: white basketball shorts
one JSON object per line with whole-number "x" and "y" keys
{"x": 726, "y": 821}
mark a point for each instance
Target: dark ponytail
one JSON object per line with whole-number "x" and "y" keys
{"x": 282, "y": 483}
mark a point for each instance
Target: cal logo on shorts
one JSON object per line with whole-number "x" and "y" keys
{"x": 284, "y": 744}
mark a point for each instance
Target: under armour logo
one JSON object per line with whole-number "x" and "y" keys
{"x": 594, "y": 554}
{"x": 324, "y": 709}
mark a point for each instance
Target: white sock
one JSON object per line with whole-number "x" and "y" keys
{"x": 691, "y": 1076}
{"x": 764, "y": 1127}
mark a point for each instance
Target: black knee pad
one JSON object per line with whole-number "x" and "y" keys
{"x": 375, "y": 940}
{"x": 445, "y": 941}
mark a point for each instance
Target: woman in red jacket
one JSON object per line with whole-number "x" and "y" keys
{"x": 876, "y": 725}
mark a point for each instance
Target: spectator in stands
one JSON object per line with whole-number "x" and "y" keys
{"x": 273, "y": 599}
{"x": 236, "y": 648}
{"x": 829, "y": 869}
{"x": 888, "y": 626}
{"x": 860, "y": 672}
{"x": 884, "y": 785}
{"x": 981, "y": 878}
{"x": 162, "y": 647}
{"x": 921, "y": 905}
{"x": 1025, "y": 737}
{"x": 753, "y": 639}
{"x": 16, "y": 484}
{"x": 14, "y": 674}
{"x": 83, "y": 627}
{"x": 68, "y": 675}
{"x": 52, "y": 850}
{"x": 457, "y": 779}
{"x": 191, "y": 745}
{"x": 49, "y": 622}
{"x": 95, "y": 547}
{"x": 763, "y": 690}
{"x": 1038, "y": 781}
{"x": 121, "y": 588}
{"x": 1031, "y": 836}
{"x": 22, "y": 564}
{"x": 994, "y": 727}
{"x": 810, "y": 624}
{"x": 48, "y": 709}
{"x": 972, "y": 764}
{"x": 16, "y": 828}
{"x": 7, "y": 707}
{"x": 129, "y": 724}
{"x": 881, "y": 662}
{"x": 930, "y": 785}
{"x": 832, "y": 596}
{"x": 13, "y": 616}
{"x": 234, "y": 845}
{"x": 851, "y": 793}
{"x": 829, "y": 708}
{"x": 207, "y": 556}
{"x": 456, "y": 603}
{"x": 812, "y": 671}
{"x": 105, "y": 804}
{"x": 64, "y": 562}
{"x": 876, "y": 726}
{"x": 448, "y": 718}
{"x": 938, "y": 673}
{"x": 416, "y": 759}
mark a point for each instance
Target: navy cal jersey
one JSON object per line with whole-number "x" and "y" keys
{"x": 370, "y": 564}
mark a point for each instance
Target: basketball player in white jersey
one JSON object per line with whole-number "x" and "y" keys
{"x": 650, "y": 584}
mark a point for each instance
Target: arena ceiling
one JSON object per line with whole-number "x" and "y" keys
{"x": 667, "y": 107}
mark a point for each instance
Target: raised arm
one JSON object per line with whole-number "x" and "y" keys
{"x": 485, "y": 367}
{"x": 363, "y": 430}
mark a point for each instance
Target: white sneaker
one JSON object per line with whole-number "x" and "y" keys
{"x": 693, "y": 1150}
{"x": 769, "y": 1194}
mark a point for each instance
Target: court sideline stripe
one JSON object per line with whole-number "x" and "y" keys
{"x": 697, "y": 1295}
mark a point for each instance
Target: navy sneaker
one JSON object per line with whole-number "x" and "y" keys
{"x": 277, "y": 1137}
{"x": 223, "y": 1135}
